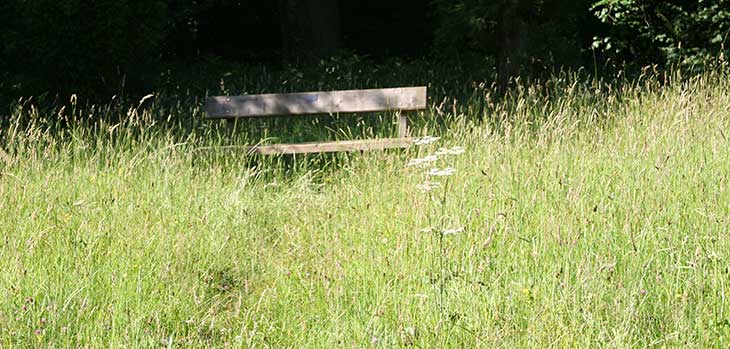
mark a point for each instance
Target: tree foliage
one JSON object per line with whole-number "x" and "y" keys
{"x": 688, "y": 33}
{"x": 74, "y": 45}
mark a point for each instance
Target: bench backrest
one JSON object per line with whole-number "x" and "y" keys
{"x": 349, "y": 101}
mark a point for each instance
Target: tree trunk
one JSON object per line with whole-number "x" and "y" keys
{"x": 310, "y": 30}
{"x": 512, "y": 33}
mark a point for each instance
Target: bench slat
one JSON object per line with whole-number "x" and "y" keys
{"x": 329, "y": 147}
{"x": 305, "y": 103}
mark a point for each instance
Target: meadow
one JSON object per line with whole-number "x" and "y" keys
{"x": 580, "y": 214}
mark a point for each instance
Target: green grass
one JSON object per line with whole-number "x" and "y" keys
{"x": 594, "y": 216}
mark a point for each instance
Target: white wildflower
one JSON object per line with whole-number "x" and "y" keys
{"x": 425, "y": 140}
{"x": 374, "y": 340}
{"x": 427, "y": 230}
{"x": 452, "y": 231}
{"x": 428, "y": 186}
{"x": 411, "y": 331}
{"x": 442, "y": 173}
{"x": 422, "y": 161}
{"x": 450, "y": 151}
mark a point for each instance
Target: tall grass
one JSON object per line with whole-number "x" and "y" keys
{"x": 594, "y": 215}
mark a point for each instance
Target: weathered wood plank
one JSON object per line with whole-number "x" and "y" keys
{"x": 349, "y": 101}
{"x": 329, "y": 147}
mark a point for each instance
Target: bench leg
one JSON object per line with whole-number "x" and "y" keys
{"x": 402, "y": 125}
{"x": 231, "y": 126}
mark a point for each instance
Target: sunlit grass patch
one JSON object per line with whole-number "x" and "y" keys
{"x": 577, "y": 216}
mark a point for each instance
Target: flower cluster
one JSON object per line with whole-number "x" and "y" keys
{"x": 450, "y": 151}
{"x": 448, "y": 171}
{"x": 433, "y": 173}
{"x": 422, "y": 162}
{"x": 428, "y": 162}
{"x": 425, "y": 140}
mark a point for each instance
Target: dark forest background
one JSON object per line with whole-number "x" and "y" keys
{"x": 105, "y": 47}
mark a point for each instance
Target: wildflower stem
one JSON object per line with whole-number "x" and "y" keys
{"x": 431, "y": 226}
{"x": 442, "y": 286}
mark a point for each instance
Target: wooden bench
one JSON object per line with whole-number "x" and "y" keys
{"x": 333, "y": 102}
